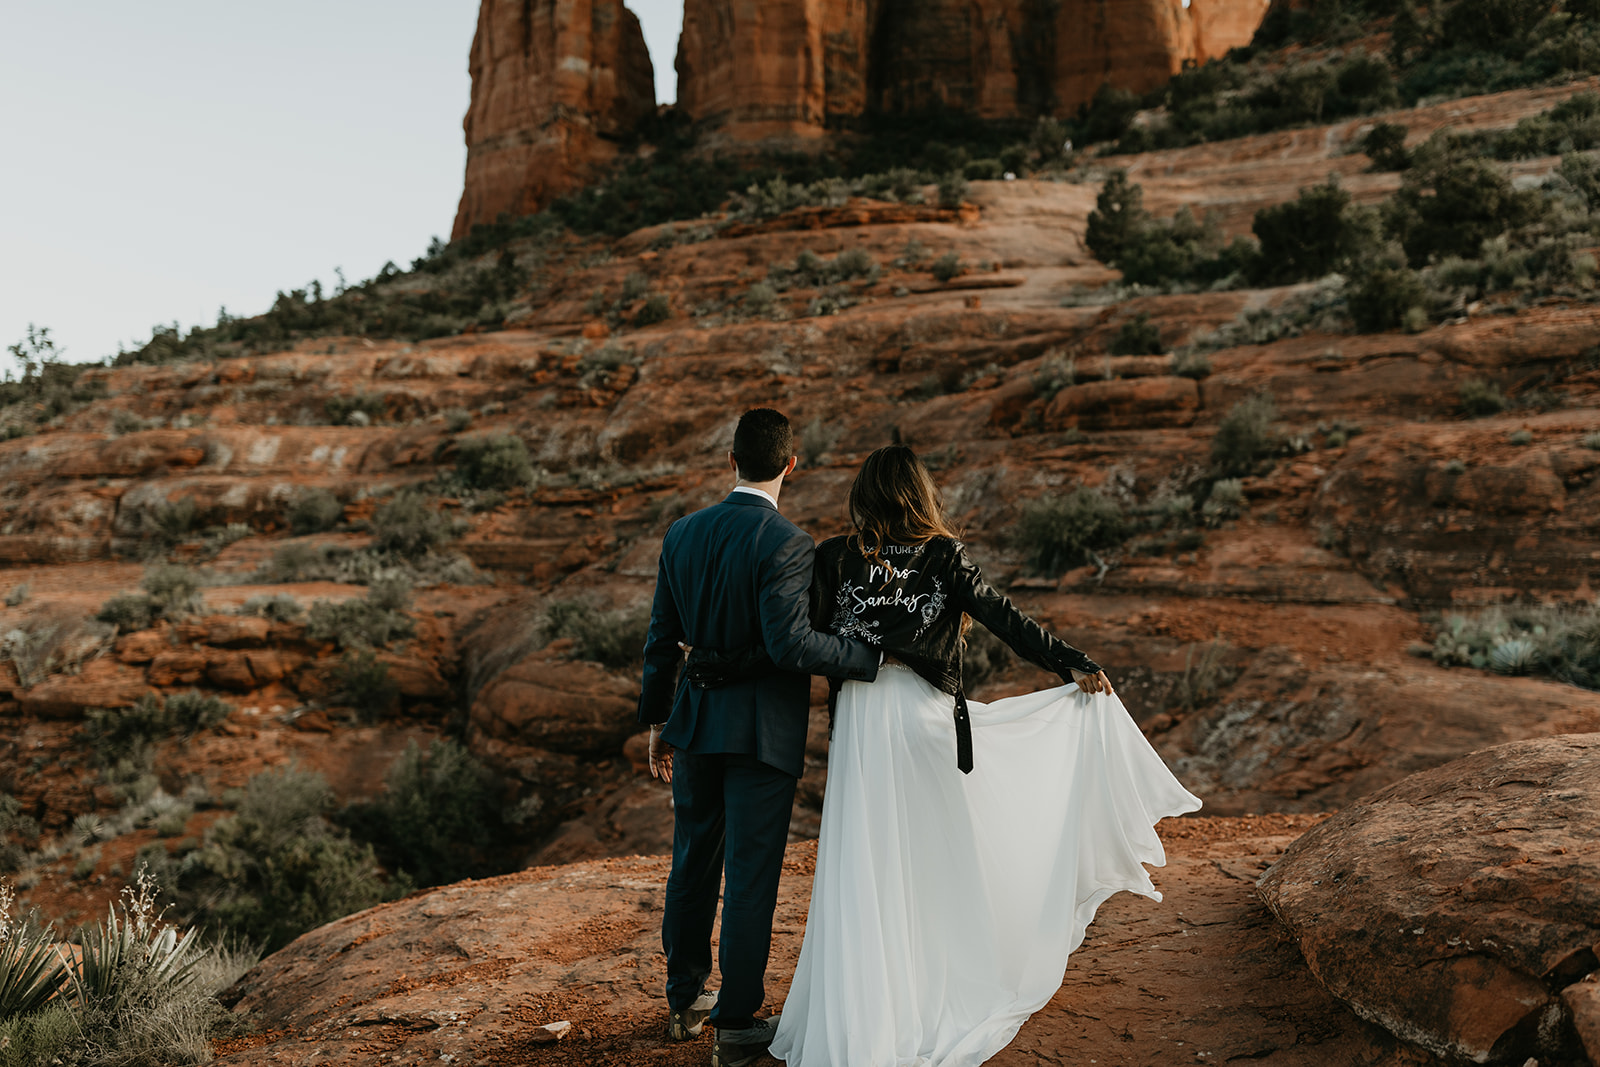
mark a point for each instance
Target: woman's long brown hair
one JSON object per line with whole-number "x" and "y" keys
{"x": 894, "y": 501}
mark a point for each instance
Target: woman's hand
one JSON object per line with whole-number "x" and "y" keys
{"x": 660, "y": 756}
{"x": 1093, "y": 683}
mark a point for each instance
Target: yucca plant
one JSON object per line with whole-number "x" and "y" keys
{"x": 31, "y": 971}
{"x": 1519, "y": 655}
{"x": 133, "y": 947}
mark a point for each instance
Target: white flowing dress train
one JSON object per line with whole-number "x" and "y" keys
{"x": 945, "y": 905}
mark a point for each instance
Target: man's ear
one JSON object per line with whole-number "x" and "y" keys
{"x": 790, "y": 468}
{"x": 733, "y": 464}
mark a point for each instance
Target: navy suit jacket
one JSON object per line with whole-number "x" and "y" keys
{"x": 731, "y": 576}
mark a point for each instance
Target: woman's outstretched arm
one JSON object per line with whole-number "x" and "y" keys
{"x": 1022, "y": 634}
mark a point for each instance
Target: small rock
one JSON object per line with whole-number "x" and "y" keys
{"x": 550, "y": 1033}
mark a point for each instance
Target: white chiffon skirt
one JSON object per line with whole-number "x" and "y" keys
{"x": 945, "y": 905}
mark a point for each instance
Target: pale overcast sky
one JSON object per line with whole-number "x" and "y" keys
{"x": 166, "y": 158}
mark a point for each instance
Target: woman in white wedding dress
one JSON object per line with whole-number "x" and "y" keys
{"x": 945, "y": 903}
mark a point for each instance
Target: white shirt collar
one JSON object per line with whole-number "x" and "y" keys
{"x": 762, "y": 493}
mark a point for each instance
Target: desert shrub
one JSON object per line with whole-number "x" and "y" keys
{"x": 1188, "y": 363}
{"x": 1056, "y": 372}
{"x": 1061, "y": 531}
{"x": 358, "y": 410}
{"x": 1573, "y": 125}
{"x": 174, "y": 589}
{"x": 124, "y": 421}
{"x": 1480, "y": 398}
{"x": 1204, "y": 677}
{"x": 47, "y": 388}
{"x": 47, "y": 1036}
{"x": 19, "y": 595}
{"x": 276, "y": 867}
{"x": 143, "y": 991}
{"x": 1108, "y": 114}
{"x": 280, "y": 607}
{"x": 953, "y": 189}
{"x": 173, "y": 520}
{"x": 457, "y": 419}
{"x": 498, "y": 462}
{"x": 982, "y": 170}
{"x": 17, "y": 832}
{"x": 371, "y": 621}
{"x": 407, "y": 526}
{"x": 1244, "y": 436}
{"x": 983, "y": 656}
{"x": 1449, "y": 206}
{"x": 1383, "y": 297}
{"x": 817, "y": 439}
{"x": 114, "y": 732}
{"x": 31, "y": 970}
{"x": 313, "y": 511}
{"x": 1151, "y": 251}
{"x": 811, "y": 271}
{"x": 1320, "y": 231}
{"x": 128, "y": 612}
{"x": 1581, "y": 172}
{"x": 437, "y": 818}
{"x": 656, "y": 308}
{"x": 1520, "y": 437}
{"x": 1385, "y": 145}
{"x": 1117, "y": 219}
{"x": 947, "y": 267}
{"x": 1226, "y": 500}
{"x": 1562, "y": 642}
{"x": 612, "y": 638}
{"x": 759, "y": 300}
{"x": 1138, "y": 337}
{"x": 52, "y": 642}
{"x": 362, "y": 681}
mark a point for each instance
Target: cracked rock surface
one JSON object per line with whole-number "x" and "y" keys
{"x": 1460, "y": 907}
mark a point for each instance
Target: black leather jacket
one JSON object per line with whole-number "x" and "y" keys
{"x": 912, "y": 613}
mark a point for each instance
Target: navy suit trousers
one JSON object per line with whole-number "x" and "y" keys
{"x": 730, "y": 811}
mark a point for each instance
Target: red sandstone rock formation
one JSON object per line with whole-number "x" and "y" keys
{"x": 1223, "y": 24}
{"x": 554, "y": 82}
{"x": 788, "y": 67}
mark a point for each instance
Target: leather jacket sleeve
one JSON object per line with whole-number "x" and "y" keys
{"x": 785, "y": 603}
{"x": 1021, "y": 634}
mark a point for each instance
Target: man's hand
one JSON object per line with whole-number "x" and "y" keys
{"x": 660, "y": 756}
{"x": 1093, "y": 683}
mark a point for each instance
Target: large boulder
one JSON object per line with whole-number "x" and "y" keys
{"x": 1455, "y": 906}
{"x": 570, "y": 706}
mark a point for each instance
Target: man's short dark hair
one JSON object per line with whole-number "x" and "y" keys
{"x": 763, "y": 444}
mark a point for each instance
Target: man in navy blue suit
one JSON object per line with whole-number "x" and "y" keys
{"x": 732, "y": 577}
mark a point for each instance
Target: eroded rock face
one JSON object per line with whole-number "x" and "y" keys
{"x": 554, "y": 83}
{"x": 1455, "y": 906}
{"x": 789, "y": 66}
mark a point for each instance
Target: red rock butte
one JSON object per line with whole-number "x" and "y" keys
{"x": 555, "y": 86}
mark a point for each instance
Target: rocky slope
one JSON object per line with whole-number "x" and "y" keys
{"x": 1293, "y": 616}
{"x": 505, "y": 962}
